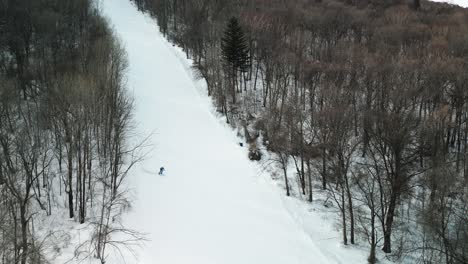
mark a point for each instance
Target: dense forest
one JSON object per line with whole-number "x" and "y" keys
{"x": 368, "y": 99}
{"x": 65, "y": 119}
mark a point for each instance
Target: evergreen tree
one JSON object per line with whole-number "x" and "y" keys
{"x": 235, "y": 52}
{"x": 234, "y": 46}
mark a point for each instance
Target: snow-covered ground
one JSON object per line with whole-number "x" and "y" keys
{"x": 213, "y": 205}
{"x": 463, "y": 3}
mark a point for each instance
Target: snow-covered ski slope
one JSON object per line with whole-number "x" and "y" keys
{"x": 212, "y": 206}
{"x": 462, "y": 3}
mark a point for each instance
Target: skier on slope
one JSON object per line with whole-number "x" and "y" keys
{"x": 161, "y": 171}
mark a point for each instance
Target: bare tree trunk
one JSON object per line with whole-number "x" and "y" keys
{"x": 309, "y": 175}
{"x": 324, "y": 168}
{"x": 387, "y": 247}
{"x": 372, "y": 258}
{"x": 24, "y": 233}
{"x": 79, "y": 181}
{"x": 351, "y": 211}
{"x": 256, "y": 78}
{"x": 303, "y": 184}
{"x": 284, "y": 165}
{"x": 343, "y": 216}
{"x": 70, "y": 180}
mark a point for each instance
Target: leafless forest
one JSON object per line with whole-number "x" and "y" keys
{"x": 64, "y": 124}
{"x": 367, "y": 97}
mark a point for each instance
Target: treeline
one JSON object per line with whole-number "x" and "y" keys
{"x": 64, "y": 119}
{"x": 369, "y": 98}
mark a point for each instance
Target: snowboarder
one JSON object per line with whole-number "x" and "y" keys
{"x": 161, "y": 171}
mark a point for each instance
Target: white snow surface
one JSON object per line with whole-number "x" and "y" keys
{"x": 462, "y": 3}
{"x": 213, "y": 205}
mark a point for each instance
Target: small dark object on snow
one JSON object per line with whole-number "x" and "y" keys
{"x": 241, "y": 144}
{"x": 254, "y": 154}
{"x": 161, "y": 171}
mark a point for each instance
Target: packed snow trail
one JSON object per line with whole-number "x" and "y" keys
{"x": 211, "y": 207}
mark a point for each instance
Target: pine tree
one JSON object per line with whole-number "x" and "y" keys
{"x": 235, "y": 52}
